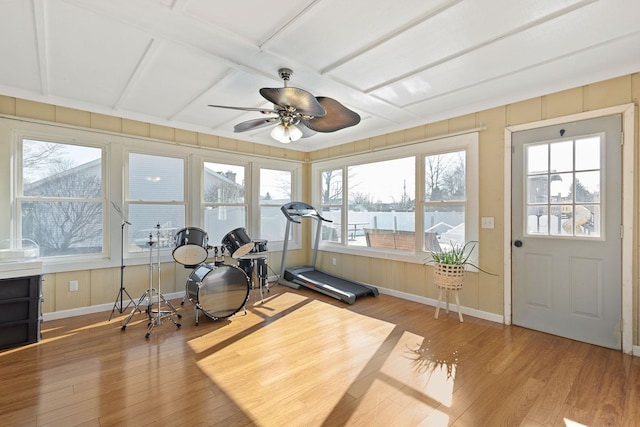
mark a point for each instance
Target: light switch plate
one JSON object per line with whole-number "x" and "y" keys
{"x": 487, "y": 222}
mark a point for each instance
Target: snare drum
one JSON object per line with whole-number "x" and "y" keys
{"x": 191, "y": 246}
{"x": 218, "y": 291}
{"x": 237, "y": 242}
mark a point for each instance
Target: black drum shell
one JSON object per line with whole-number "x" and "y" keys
{"x": 259, "y": 246}
{"x": 237, "y": 242}
{"x": 191, "y": 246}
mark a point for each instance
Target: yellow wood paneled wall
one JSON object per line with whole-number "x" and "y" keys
{"x": 482, "y": 292}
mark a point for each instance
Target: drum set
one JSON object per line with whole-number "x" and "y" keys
{"x": 219, "y": 290}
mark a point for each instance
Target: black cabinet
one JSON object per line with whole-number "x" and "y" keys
{"x": 20, "y": 310}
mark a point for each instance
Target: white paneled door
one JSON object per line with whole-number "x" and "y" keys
{"x": 566, "y": 230}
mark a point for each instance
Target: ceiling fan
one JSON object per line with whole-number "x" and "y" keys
{"x": 298, "y": 114}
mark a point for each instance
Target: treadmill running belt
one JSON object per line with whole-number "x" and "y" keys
{"x": 324, "y": 279}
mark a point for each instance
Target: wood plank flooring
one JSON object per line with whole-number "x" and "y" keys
{"x": 303, "y": 359}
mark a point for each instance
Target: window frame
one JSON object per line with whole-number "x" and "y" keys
{"x": 295, "y": 169}
{"x": 128, "y": 201}
{"x": 420, "y": 149}
{"x": 199, "y": 204}
{"x": 549, "y": 204}
{"x": 82, "y": 139}
{"x": 114, "y": 167}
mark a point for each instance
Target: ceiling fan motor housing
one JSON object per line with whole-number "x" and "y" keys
{"x": 285, "y": 74}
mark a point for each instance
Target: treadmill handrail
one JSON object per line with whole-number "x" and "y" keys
{"x": 301, "y": 210}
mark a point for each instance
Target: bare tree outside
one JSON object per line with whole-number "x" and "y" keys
{"x": 276, "y": 184}
{"x": 444, "y": 177}
{"x": 39, "y": 158}
{"x": 332, "y": 187}
{"x": 61, "y": 207}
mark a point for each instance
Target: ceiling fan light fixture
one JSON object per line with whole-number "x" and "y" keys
{"x": 286, "y": 133}
{"x": 298, "y": 113}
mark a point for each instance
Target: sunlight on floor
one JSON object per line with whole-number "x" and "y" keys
{"x": 256, "y": 362}
{"x": 414, "y": 375}
{"x": 272, "y": 307}
{"x": 569, "y": 423}
{"x": 424, "y": 369}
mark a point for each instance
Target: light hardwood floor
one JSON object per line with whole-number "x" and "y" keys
{"x": 302, "y": 359}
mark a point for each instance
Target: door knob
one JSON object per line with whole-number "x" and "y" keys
{"x": 517, "y": 243}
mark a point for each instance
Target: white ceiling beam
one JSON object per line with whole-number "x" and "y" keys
{"x": 40, "y": 25}
{"x": 515, "y": 31}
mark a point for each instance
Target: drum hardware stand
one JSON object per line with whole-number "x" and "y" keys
{"x": 196, "y": 306}
{"x": 259, "y": 262}
{"x": 122, "y": 292}
{"x": 262, "y": 275}
{"x": 156, "y": 317}
{"x": 151, "y": 295}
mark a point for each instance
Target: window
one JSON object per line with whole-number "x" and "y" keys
{"x": 384, "y": 191}
{"x": 445, "y": 200}
{"x": 380, "y": 205}
{"x": 563, "y": 188}
{"x": 376, "y": 201}
{"x": 225, "y": 207}
{"x": 72, "y": 190}
{"x": 275, "y": 190}
{"x": 331, "y": 188}
{"x": 155, "y": 201}
{"x": 61, "y": 198}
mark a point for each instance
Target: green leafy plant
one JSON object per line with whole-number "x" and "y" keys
{"x": 455, "y": 254}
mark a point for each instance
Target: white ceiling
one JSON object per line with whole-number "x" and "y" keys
{"x": 398, "y": 63}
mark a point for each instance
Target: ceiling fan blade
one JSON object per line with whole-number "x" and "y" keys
{"x": 254, "y": 124}
{"x": 306, "y": 132}
{"x": 338, "y": 117}
{"x": 262, "y": 110}
{"x": 301, "y": 100}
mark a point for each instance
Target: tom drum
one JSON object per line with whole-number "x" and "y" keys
{"x": 191, "y": 246}
{"x": 259, "y": 246}
{"x": 237, "y": 242}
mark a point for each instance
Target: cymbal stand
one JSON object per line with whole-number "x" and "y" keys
{"x": 157, "y": 316}
{"x": 146, "y": 298}
{"x": 122, "y": 292}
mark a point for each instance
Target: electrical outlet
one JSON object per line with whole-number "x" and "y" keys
{"x": 487, "y": 222}
{"x": 73, "y": 286}
{"x": 333, "y": 261}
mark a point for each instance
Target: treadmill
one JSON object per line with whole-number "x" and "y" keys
{"x": 308, "y": 275}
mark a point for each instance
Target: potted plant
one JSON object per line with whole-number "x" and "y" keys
{"x": 449, "y": 266}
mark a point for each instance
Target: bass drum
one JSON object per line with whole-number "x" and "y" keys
{"x": 218, "y": 291}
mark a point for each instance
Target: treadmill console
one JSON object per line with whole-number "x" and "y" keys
{"x": 301, "y": 209}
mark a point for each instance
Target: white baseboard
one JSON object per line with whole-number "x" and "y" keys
{"x": 433, "y": 302}
{"x": 415, "y": 298}
{"x": 465, "y": 310}
{"x": 410, "y": 297}
{"x": 63, "y": 314}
